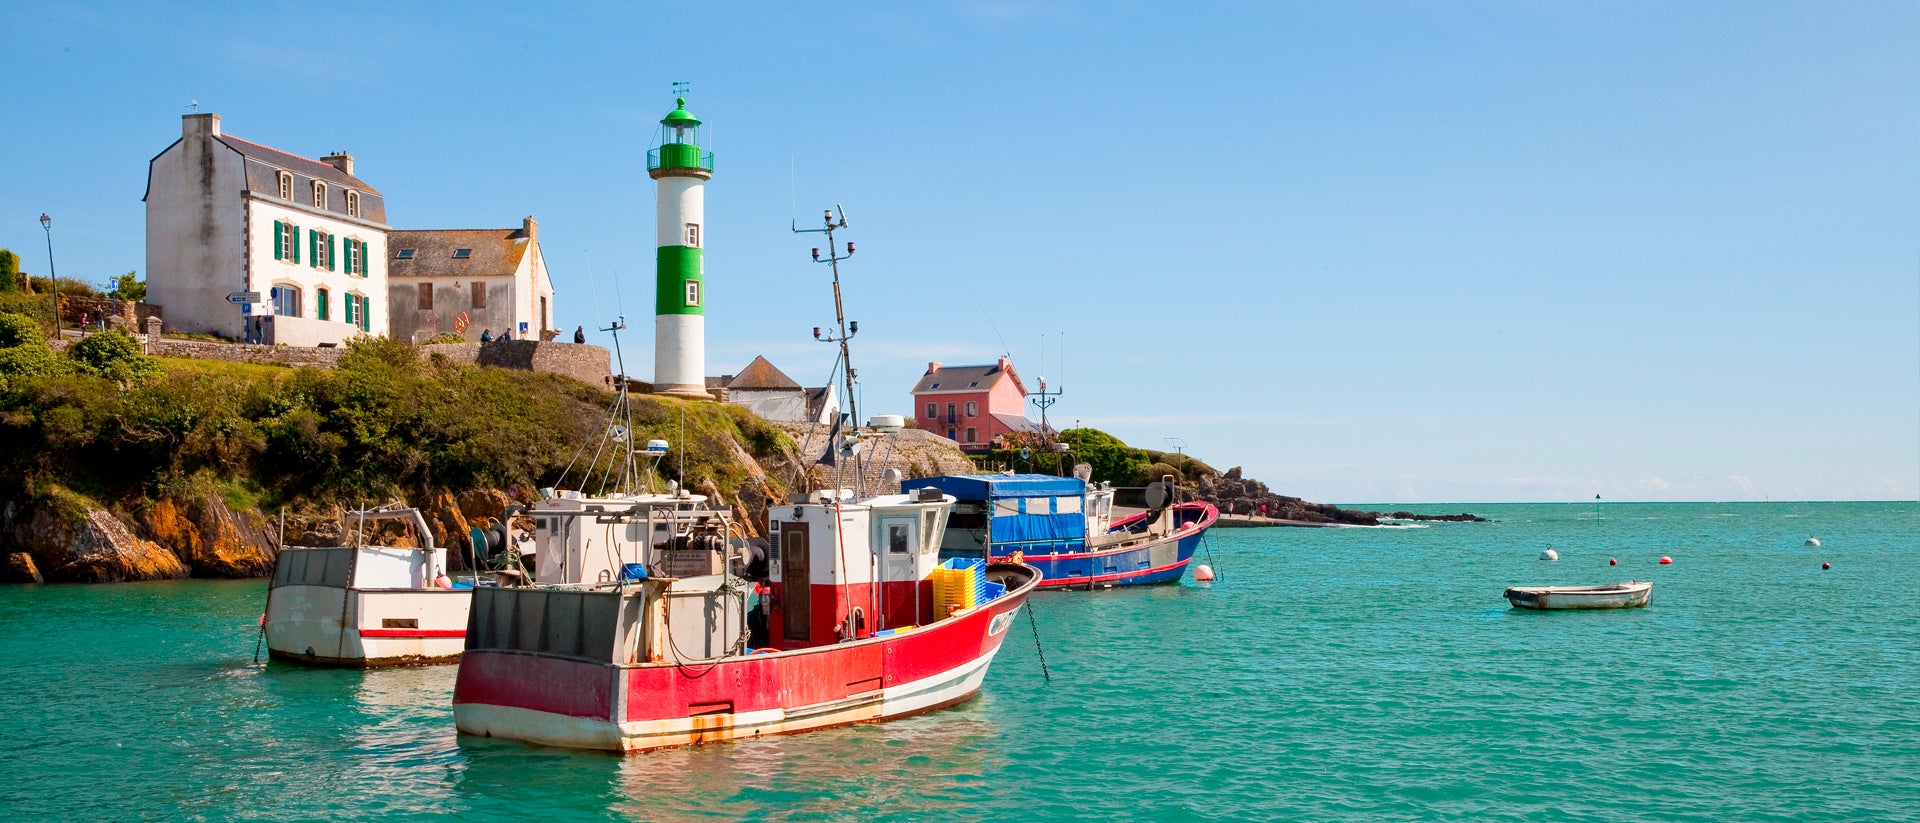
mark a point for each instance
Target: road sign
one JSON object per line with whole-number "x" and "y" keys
{"x": 244, "y": 297}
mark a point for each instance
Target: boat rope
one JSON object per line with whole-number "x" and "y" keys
{"x": 1035, "y": 625}
{"x": 1208, "y": 547}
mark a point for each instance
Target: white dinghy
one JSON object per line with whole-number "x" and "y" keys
{"x": 1628, "y": 595}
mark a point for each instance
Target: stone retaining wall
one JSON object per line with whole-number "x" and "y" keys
{"x": 587, "y": 364}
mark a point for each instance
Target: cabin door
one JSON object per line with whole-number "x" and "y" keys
{"x": 796, "y": 583}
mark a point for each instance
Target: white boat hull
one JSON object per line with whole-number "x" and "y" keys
{"x": 1629, "y": 595}
{"x": 355, "y": 627}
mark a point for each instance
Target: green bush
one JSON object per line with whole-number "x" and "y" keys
{"x": 1113, "y": 461}
{"x": 114, "y": 355}
{"x": 445, "y": 337}
{"x": 9, "y": 271}
{"x": 23, "y": 349}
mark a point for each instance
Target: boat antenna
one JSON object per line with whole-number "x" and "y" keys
{"x": 846, "y": 329}
{"x": 1043, "y": 398}
{"x": 1004, "y": 348}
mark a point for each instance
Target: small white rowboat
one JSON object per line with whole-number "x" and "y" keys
{"x": 1628, "y": 595}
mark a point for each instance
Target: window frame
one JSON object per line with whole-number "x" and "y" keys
{"x": 353, "y": 203}
{"x": 693, "y": 293}
{"x": 283, "y": 296}
{"x": 320, "y": 194}
{"x": 403, "y": 254}
{"x": 692, "y": 235}
{"x": 286, "y": 185}
{"x": 973, "y": 409}
{"x": 933, "y": 411}
{"x": 973, "y": 434}
{"x": 426, "y": 297}
{"x": 477, "y": 294}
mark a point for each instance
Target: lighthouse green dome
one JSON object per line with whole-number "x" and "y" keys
{"x": 680, "y": 116}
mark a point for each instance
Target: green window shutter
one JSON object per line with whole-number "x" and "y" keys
{"x": 278, "y": 252}
{"x": 320, "y": 304}
{"x": 366, "y": 314}
{"x": 332, "y": 259}
{"x": 295, "y": 251}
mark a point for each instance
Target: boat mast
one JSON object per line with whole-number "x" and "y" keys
{"x": 846, "y": 329}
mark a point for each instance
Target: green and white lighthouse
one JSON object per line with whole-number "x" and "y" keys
{"x": 680, "y": 168}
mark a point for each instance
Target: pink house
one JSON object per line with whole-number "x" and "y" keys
{"x": 972, "y": 405}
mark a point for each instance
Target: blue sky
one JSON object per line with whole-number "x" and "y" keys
{"x": 1397, "y": 252}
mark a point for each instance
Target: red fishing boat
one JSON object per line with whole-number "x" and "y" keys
{"x": 857, "y": 620}
{"x": 844, "y": 614}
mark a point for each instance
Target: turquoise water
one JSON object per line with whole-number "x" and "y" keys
{"x": 1352, "y": 674}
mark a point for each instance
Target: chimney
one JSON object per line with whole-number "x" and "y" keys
{"x": 1005, "y": 363}
{"x": 340, "y": 160}
{"x": 531, "y": 227}
{"x": 200, "y": 125}
{"x": 933, "y": 367}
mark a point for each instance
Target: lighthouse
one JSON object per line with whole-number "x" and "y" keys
{"x": 680, "y": 169}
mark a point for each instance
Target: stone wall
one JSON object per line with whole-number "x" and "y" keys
{"x": 587, "y": 364}
{"x": 318, "y": 357}
{"x": 121, "y": 314}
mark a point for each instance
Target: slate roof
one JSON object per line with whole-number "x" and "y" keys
{"x": 496, "y": 252}
{"x": 293, "y": 163}
{"x": 761, "y": 374}
{"x": 1018, "y": 423}
{"x": 962, "y": 379}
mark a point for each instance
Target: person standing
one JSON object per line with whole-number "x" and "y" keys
{"x": 486, "y": 335}
{"x": 579, "y": 334}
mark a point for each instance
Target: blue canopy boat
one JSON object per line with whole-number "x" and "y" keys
{"x": 1064, "y": 527}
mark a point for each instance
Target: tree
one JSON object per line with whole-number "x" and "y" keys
{"x": 1112, "y": 460}
{"x": 9, "y": 270}
{"x": 129, "y": 287}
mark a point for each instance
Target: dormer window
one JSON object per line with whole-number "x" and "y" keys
{"x": 319, "y": 194}
{"x": 403, "y": 254}
{"x": 353, "y": 203}
{"x": 462, "y": 254}
{"x": 286, "y": 185}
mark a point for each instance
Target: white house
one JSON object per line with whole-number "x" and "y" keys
{"x": 469, "y": 281}
{"x": 770, "y": 393}
{"x": 227, "y": 215}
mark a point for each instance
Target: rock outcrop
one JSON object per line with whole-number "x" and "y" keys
{"x": 72, "y": 541}
{"x": 1236, "y": 494}
{"x": 210, "y": 538}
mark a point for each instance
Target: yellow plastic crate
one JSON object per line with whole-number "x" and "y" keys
{"x": 952, "y": 587}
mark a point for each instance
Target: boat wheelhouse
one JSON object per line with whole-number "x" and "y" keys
{"x": 1066, "y": 528}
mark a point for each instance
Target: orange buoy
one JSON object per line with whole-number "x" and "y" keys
{"x": 1665, "y": 560}
{"x": 1612, "y": 562}
{"x": 1826, "y": 565}
{"x": 1203, "y": 573}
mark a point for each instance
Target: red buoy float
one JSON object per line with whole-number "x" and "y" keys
{"x": 1203, "y": 573}
{"x": 1826, "y": 565}
{"x": 1612, "y": 562}
{"x": 1665, "y": 560}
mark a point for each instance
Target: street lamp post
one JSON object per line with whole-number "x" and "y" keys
{"x": 47, "y": 224}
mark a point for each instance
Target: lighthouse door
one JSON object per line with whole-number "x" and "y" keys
{"x": 796, "y": 583}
